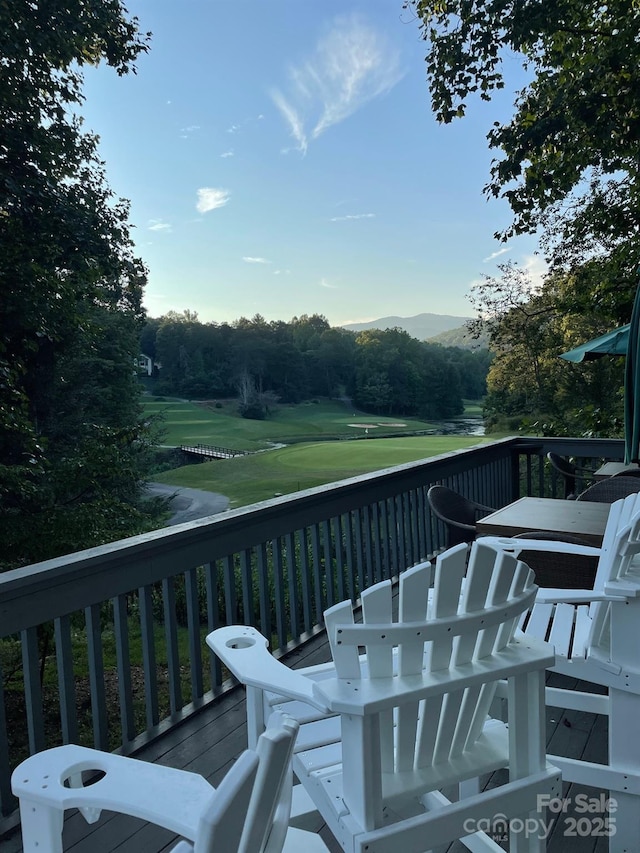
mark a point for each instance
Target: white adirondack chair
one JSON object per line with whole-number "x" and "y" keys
{"x": 382, "y": 733}
{"x": 596, "y": 638}
{"x": 248, "y": 811}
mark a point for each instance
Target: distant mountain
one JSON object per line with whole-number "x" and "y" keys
{"x": 460, "y": 337}
{"x": 422, "y": 326}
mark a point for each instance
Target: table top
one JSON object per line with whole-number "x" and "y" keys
{"x": 584, "y": 519}
{"x": 610, "y": 469}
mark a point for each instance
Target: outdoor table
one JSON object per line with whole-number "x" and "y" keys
{"x": 610, "y": 469}
{"x": 584, "y": 519}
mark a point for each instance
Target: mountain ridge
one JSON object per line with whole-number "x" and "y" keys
{"x": 422, "y": 326}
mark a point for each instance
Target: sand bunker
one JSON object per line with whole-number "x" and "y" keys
{"x": 364, "y": 426}
{"x": 393, "y": 425}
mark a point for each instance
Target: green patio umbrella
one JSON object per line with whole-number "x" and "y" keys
{"x": 632, "y": 387}
{"x": 613, "y": 343}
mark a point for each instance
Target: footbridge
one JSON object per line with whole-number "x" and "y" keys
{"x": 212, "y": 451}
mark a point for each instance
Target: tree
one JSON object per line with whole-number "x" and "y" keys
{"x": 528, "y": 329}
{"x": 396, "y": 373}
{"x": 72, "y": 438}
{"x": 569, "y": 158}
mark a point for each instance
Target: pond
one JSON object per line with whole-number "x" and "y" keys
{"x": 459, "y": 426}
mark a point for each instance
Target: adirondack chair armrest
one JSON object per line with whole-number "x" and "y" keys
{"x": 516, "y": 546}
{"x": 244, "y": 651}
{"x": 164, "y": 795}
{"x": 549, "y": 595}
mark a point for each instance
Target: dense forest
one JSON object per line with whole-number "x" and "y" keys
{"x": 261, "y": 363}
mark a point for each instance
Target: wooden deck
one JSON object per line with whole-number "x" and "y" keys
{"x": 210, "y": 741}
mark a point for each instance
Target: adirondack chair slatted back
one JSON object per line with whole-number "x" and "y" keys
{"x": 470, "y": 613}
{"x": 621, "y": 542}
{"x": 620, "y": 545}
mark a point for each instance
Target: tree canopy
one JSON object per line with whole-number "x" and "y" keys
{"x": 71, "y": 434}
{"x": 529, "y": 386}
{"x": 568, "y": 161}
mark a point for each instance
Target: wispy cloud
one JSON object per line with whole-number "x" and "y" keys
{"x": 295, "y": 121}
{"x": 282, "y": 272}
{"x": 236, "y": 128}
{"x": 351, "y": 65}
{"x": 186, "y": 132}
{"x": 250, "y": 260}
{"x": 210, "y": 198}
{"x": 353, "y": 216}
{"x": 325, "y": 283}
{"x": 228, "y": 153}
{"x": 158, "y": 225}
{"x": 497, "y": 254}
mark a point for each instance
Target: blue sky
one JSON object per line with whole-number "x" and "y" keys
{"x": 281, "y": 158}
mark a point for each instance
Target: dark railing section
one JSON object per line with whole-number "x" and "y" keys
{"x": 106, "y": 646}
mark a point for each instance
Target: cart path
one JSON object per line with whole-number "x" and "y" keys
{"x": 189, "y": 504}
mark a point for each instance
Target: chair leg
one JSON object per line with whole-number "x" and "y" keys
{"x": 41, "y": 827}
{"x": 624, "y": 754}
{"x": 469, "y": 787}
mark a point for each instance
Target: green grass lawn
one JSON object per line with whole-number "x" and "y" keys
{"x": 189, "y": 423}
{"x": 473, "y": 408}
{"x": 248, "y": 479}
{"x": 192, "y": 423}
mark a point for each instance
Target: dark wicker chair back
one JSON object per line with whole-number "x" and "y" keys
{"x": 564, "y": 571}
{"x": 611, "y": 489}
{"x": 569, "y": 471}
{"x": 459, "y": 514}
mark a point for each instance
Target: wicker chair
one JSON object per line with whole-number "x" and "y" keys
{"x": 570, "y": 473}
{"x": 458, "y": 514}
{"x": 611, "y": 489}
{"x": 563, "y": 571}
